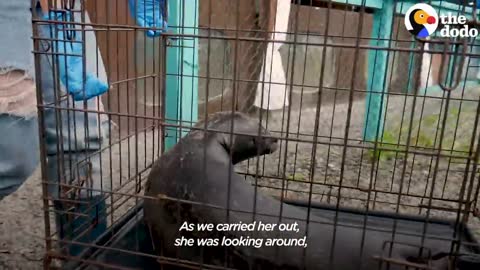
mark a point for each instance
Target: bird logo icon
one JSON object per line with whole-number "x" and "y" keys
{"x": 421, "y": 20}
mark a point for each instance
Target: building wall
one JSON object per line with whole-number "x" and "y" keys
{"x": 246, "y": 18}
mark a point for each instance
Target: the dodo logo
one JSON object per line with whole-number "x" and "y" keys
{"x": 421, "y": 20}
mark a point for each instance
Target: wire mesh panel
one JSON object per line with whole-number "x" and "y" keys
{"x": 376, "y": 130}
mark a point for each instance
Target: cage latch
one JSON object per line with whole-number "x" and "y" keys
{"x": 444, "y": 63}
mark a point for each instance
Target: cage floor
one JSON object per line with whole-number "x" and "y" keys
{"x": 128, "y": 245}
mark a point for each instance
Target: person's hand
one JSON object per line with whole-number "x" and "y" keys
{"x": 70, "y": 61}
{"x": 151, "y": 14}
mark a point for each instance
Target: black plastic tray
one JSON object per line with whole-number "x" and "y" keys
{"x": 132, "y": 235}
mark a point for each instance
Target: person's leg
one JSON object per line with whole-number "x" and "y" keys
{"x": 73, "y": 139}
{"x": 18, "y": 151}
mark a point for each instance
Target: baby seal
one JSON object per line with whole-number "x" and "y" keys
{"x": 195, "y": 183}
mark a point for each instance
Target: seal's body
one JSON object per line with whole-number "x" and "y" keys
{"x": 199, "y": 168}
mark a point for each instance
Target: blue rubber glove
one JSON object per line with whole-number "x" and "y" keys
{"x": 71, "y": 67}
{"x": 149, "y": 13}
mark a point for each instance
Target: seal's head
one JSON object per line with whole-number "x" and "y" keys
{"x": 249, "y": 137}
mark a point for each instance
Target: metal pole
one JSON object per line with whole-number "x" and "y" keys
{"x": 182, "y": 68}
{"x": 377, "y": 72}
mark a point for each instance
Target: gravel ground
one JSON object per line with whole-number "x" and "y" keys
{"x": 417, "y": 177}
{"x": 22, "y": 227}
{"x": 22, "y": 222}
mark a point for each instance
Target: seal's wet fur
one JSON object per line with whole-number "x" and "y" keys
{"x": 200, "y": 168}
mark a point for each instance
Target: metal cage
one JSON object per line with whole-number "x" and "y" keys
{"x": 374, "y": 123}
